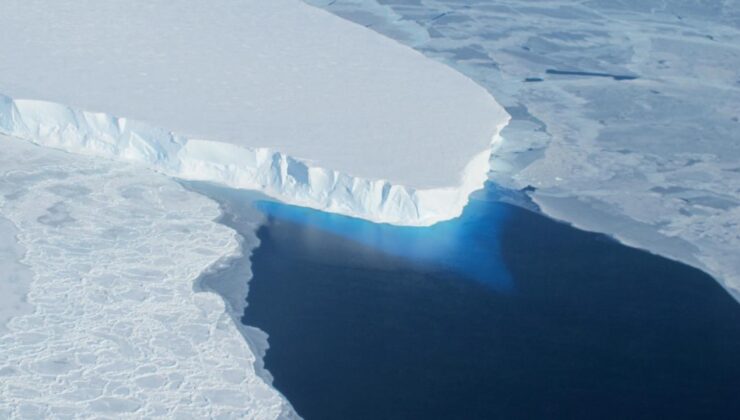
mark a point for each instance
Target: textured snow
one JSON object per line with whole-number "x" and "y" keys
{"x": 625, "y": 114}
{"x": 14, "y": 276}
{"x": 117, "y": 328}
{"x": 364, "y": 125}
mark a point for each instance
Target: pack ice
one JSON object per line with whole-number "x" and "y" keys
{"x": 111, "y": 325}
{"x": 276, "y": 96}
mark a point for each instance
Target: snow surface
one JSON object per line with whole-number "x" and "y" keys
{"x": 117, "y": 328}
{"x": 653, "y": 160}
{"x": 361, "y": 124}
{"x": 14, "y": 276}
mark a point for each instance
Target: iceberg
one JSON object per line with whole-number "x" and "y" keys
{"x": 283, "y": 97}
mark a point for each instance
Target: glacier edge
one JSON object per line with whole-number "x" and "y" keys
{"x": 276, "y": 174}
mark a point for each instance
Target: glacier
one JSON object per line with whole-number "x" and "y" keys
{"x": 283, "y": 97}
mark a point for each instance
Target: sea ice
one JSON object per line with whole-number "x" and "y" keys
{"x": 118, "y": 329}
{"x": 14, "y": 276}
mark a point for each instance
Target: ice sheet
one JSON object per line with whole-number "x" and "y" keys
{"x": 257, "y": 74}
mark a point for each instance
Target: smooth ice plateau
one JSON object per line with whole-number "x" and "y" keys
{"x": 283, "y": 97}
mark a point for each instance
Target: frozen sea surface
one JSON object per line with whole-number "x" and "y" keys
{"x": 14, "y": 276}
{"x": 118, "y": 328}
{"x": 625, "y": 114}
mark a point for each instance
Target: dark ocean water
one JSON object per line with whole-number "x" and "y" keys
{"x": 502, "y": 313}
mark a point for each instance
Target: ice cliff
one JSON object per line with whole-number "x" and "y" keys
{"x": 278, "y": 96}
{"x": 274, "y": 173}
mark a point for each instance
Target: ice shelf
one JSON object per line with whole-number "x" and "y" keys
{"x": 291, "y": 100}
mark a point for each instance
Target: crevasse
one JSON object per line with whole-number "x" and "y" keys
{"x": 274, "y": 173}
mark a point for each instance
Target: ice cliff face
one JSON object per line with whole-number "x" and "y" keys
{"x": 278, "y": 79}
{"x": 274, "y": 173}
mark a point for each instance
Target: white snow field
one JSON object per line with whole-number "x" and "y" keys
{"x": 14, "y": 276}
{"x": 272, "y": 95}
{"x": 116, "y": 328}
{"x": 625, "y": 114}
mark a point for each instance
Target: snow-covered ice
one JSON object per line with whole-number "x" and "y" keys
{"x": 14, "y": 276}
{"x": 306, "y": 106}
{"x": 625, "y": 114}
{"x": 117, "y": 328}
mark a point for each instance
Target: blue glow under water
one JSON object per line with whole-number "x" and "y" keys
{"x": 503, "y": 314}
{"x": 457, "y": 245}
